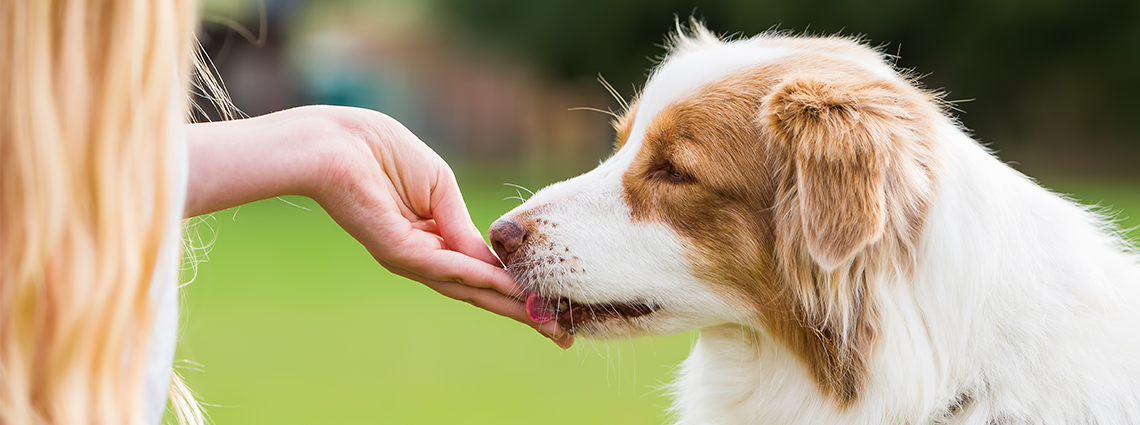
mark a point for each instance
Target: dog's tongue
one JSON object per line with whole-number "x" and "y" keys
{"x": 540, "y": 309}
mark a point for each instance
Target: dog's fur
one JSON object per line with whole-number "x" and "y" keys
{"x": 849, "y": 254}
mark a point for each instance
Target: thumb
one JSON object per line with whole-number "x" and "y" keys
{"x": 454, "y": 221}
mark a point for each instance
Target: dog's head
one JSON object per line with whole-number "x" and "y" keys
{"x": 770, "y": 183}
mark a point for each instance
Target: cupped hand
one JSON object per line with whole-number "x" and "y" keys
{"x": 401, "y": 201}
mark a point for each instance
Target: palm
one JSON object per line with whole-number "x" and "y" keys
{"x": 403, "y": 204}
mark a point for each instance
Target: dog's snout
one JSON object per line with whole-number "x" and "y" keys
{"x": 506, "y": 237}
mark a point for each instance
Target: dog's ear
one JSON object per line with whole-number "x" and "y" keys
{"x": 835, "y": 136}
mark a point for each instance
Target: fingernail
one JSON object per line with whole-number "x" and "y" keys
{"x": 551, "y": 329}
{"x": 565, "y": 343}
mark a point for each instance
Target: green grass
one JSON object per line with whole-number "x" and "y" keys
{"x": 292, "y": 322}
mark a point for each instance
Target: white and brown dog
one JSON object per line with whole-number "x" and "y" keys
{"x": 848, "y": 253}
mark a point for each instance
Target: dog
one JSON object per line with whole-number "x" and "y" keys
{"x": 849, "y": 254}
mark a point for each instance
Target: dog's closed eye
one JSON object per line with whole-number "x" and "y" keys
{"x": 665, "y": 171}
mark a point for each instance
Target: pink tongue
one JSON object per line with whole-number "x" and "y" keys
{"x": 539, "y": 308}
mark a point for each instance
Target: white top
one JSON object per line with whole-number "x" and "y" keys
{"x": 164, "y": 284}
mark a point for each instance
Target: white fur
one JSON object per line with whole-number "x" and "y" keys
{"x": 600, "y": 255}
{"x": 1022, "y": 300}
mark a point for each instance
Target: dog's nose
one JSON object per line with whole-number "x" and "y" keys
{"x": 506, "y": 237}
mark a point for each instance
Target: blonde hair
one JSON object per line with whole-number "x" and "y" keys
{"x": 86, "y": 92}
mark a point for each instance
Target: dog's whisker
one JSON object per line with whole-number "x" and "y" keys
{"x": 587, "y": 108}
{"x": 613, "y": 92}
{"x": 519, "y": 187}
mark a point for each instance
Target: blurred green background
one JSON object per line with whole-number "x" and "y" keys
{"x": 290, "y": 321}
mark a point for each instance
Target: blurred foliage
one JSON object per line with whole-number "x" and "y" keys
{"x": 1061, "y": 71}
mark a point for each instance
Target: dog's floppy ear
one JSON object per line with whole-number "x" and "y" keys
{"x": 836, "y": 137}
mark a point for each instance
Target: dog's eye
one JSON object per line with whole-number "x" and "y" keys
{"x": 666, "y": 172}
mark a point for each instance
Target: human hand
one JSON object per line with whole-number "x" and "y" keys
{"x": 383, "y": 185}
{"x": 402, "y": 202}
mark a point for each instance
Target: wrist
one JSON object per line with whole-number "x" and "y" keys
{"x": 240, "y": 161}
{"x": 347, "y": 143}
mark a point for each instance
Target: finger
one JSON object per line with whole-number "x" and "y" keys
{"x": 560, "y": 337}
{"x": 427, "y": 255}
{"x": 502, "y": 305}
{"x": 455, "y": 290}
{"x": 451, "y": 266}
{"x": 428, "y": 226}
{"x": 454, "y": 221}
{"x": 493, "y": 302}
{"x": 484, "y": 298}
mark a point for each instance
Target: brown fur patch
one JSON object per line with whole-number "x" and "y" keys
{"x": 837, "y": 133}
{"x": 777, "y": 170}
{"x": 623, "y": 125}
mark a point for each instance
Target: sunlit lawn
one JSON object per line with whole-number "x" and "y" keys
{"x": 292, "y": 322}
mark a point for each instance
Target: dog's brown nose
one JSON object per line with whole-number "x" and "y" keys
{"x": 506, "y": 237}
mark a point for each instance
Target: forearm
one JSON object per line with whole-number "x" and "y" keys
{"x": 375, "y": 178}
{"x": 236, "y": 162}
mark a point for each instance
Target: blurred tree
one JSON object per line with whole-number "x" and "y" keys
{"x": 1054, "y": 72}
